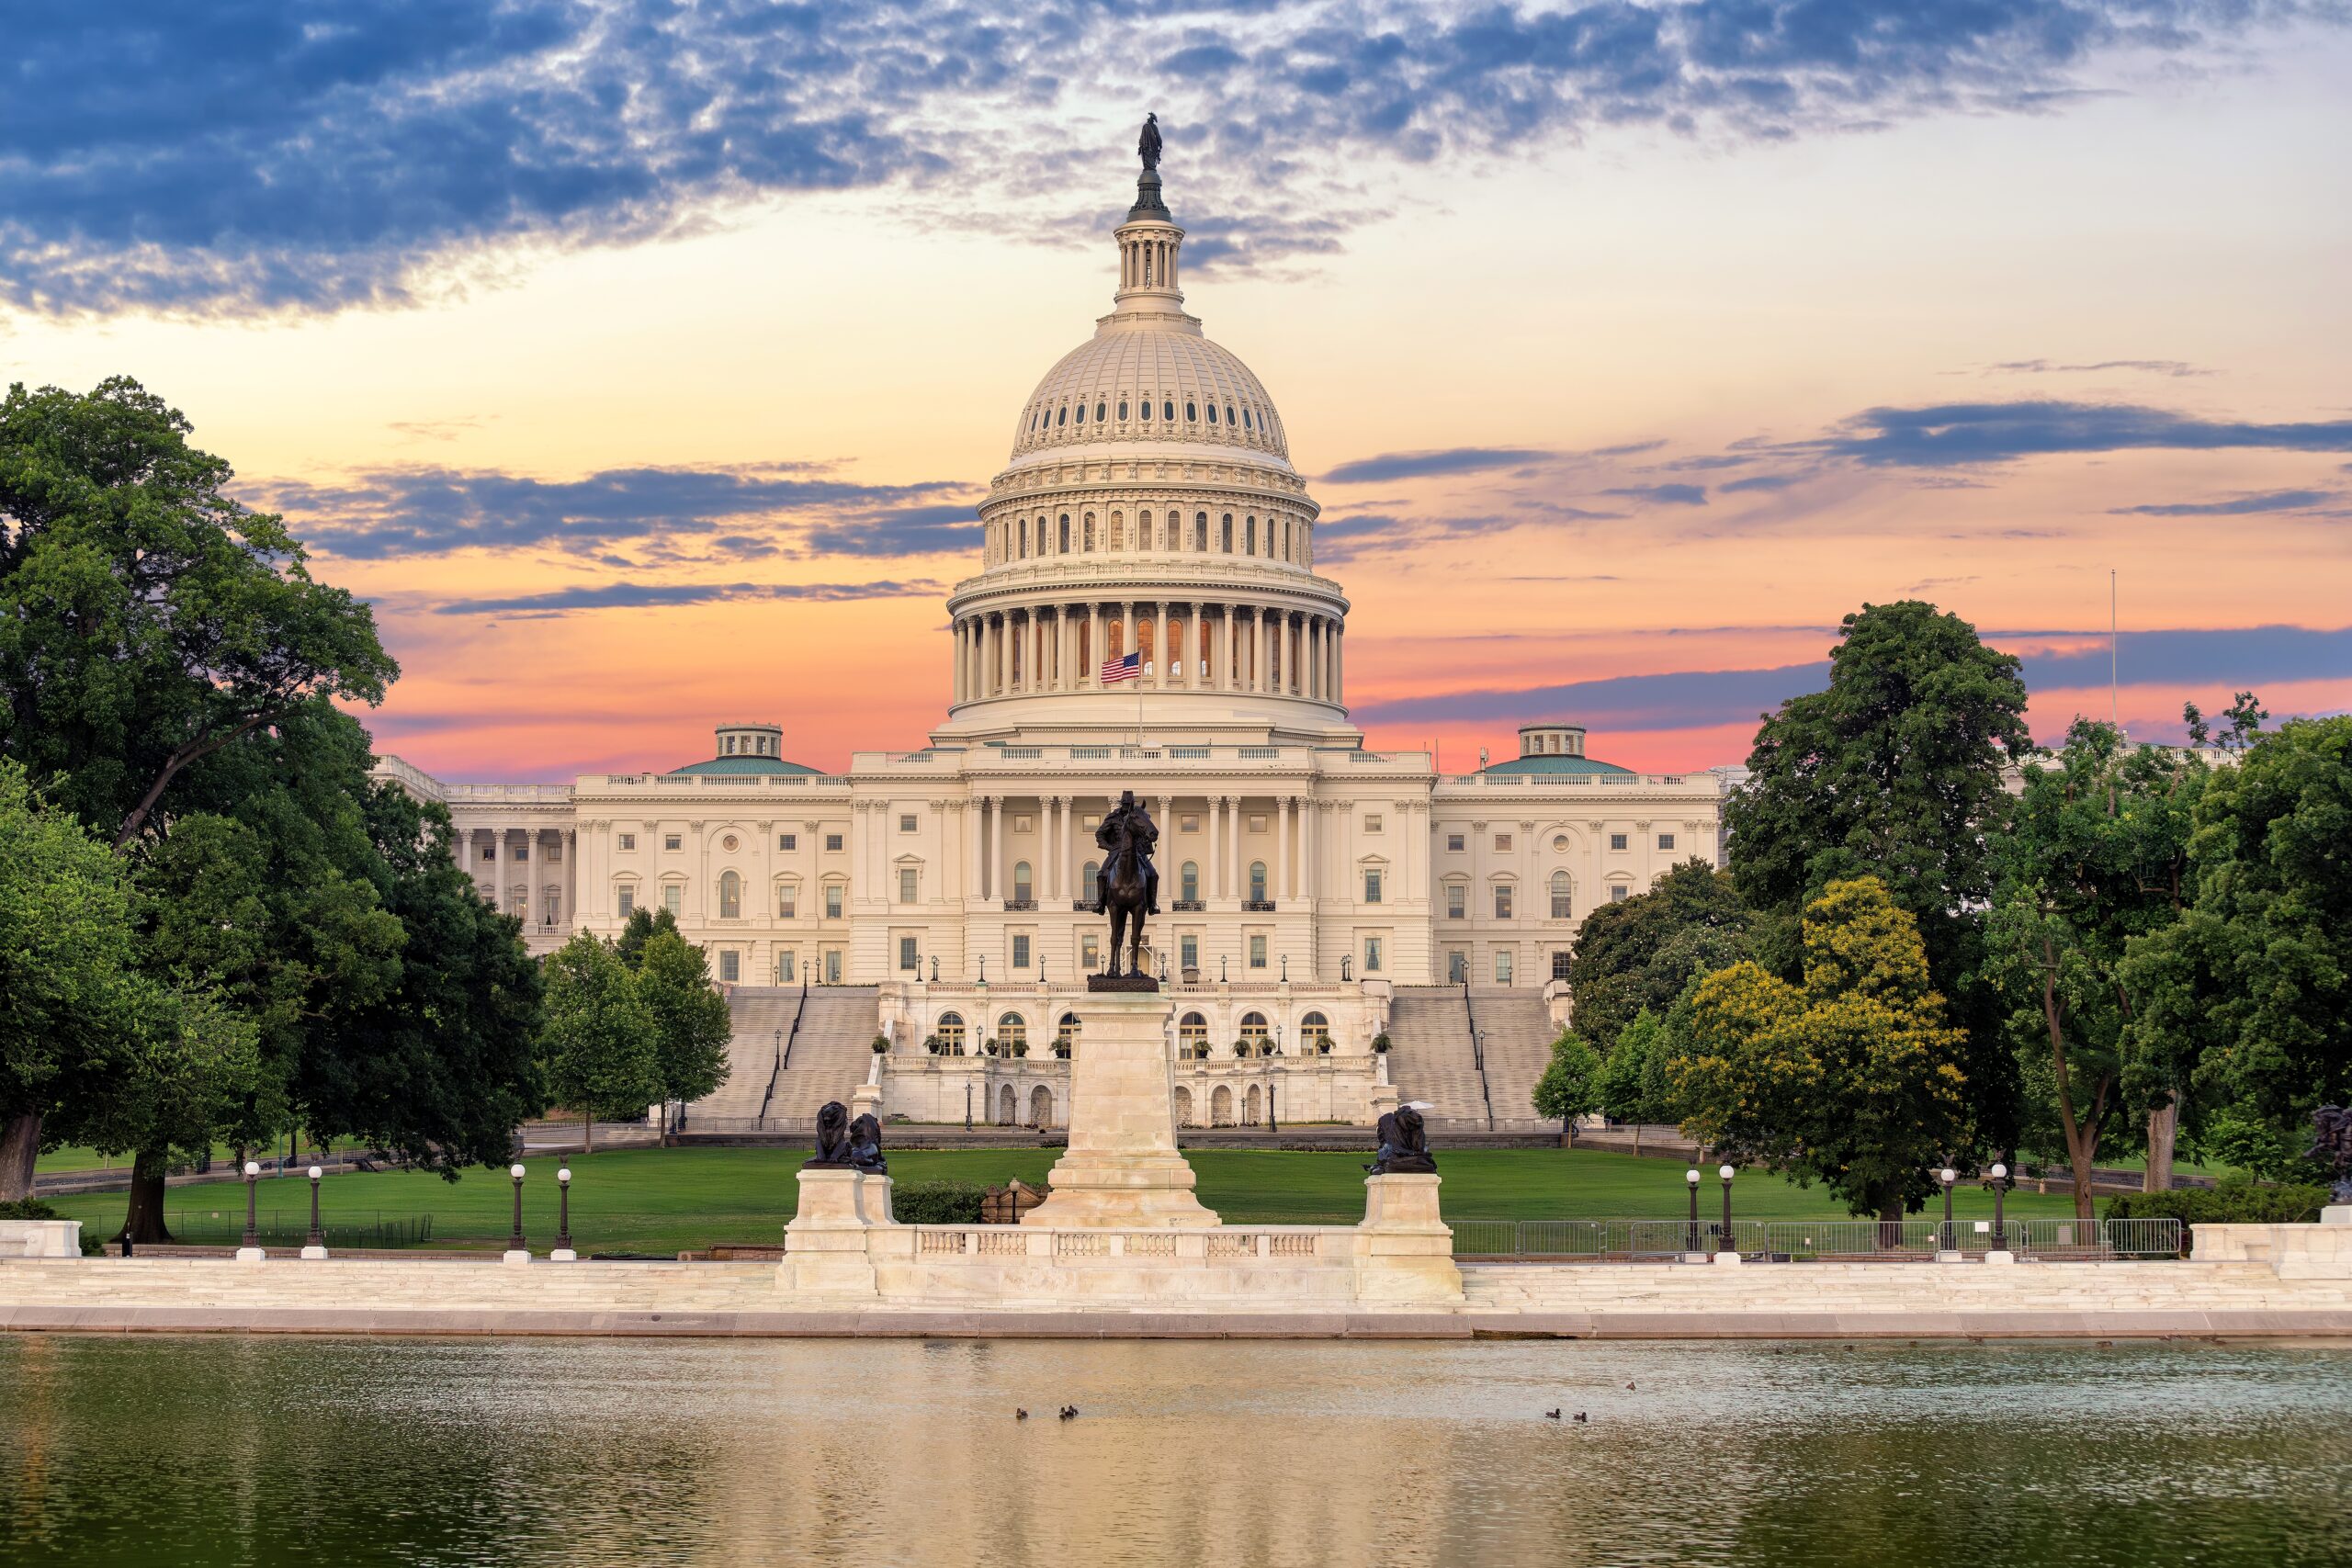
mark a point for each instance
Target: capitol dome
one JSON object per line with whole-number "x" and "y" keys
{"x": 1140, "y": 378}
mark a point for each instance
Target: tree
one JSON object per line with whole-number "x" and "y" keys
{"x": 639, "y": 929}
{"x": 2250, "y": 992}
{"x": 1854, "y": 1079}
{"x": 148, "y": 620}
{"x": 69, "y": 1002}
{"x": 1570, "y": 1085}
{"x": 2096, "y": 855}
{"x": 598, "y": 1044}
{"x": 1893, "y": 772}
{"x": 692, "y": 1024}
{"x": 1635, "y": 1085}
{"x": 1640, "y": 952}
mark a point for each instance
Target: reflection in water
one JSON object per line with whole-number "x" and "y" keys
{"x": 267, "y": 1450}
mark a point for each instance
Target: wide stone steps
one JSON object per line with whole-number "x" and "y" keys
{"x": 1518, "y": 1035}
{"x": 832, "y": 1054}
{"x": 758, "y": 1013}
{"x": 1430, "y": 1057}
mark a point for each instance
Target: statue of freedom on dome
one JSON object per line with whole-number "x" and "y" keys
{"x": 1148, "y": 145}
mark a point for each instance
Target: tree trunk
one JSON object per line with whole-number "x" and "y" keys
{"x": 143, "y": 1223}
{"x": 2163, "y": 1125}
{"x": 2082, "y": 1134}
{"x": 1890, "y": 1219}
{"x": 587, "y": 1130}
{"x": 20, "y": 1148}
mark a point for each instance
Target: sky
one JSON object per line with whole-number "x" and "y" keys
{"x": 642, "y": 363}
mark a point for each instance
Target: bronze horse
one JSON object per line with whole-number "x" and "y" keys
{"x": 1127, "y": 887}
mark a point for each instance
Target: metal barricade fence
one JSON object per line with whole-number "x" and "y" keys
{"x": 1890, "y": 1241}
{"x": 2099, "y": 1238}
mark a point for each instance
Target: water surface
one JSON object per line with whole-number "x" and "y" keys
{"x": 220, "y": 1449}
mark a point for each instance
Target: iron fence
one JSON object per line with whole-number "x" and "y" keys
{"x": 1799, "y": 1241}
{"x": 291, "y": 1227}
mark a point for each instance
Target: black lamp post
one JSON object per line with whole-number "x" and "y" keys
{"x": 1286, "y": 968}
{"x": 1220, "y": 968}
{"x": 984, "y": 968}
{"x": 1728, "y": 1244}
{"x": 516, "y": 1252}
{"x": 1948, "y": 1242}
{"x": 563, "y": 1252}
{"x": 967, "y": 1105}
{"x": 316, "y": 1247}
{"x": 253, "y": 1232}
{"x": 1691, "y": 1178}
{"x": 2000, "y": 1191}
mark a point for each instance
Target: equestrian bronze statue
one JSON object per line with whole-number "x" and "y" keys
{"x": 1127, "y": 887}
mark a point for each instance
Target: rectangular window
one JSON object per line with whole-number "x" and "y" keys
{"x": 1502, "y": 900}
{"x": 626, "y": 900}
{"x": 1188, "y": 824}
{"x": 1257, "y": 824}
{"x": 1090, "y": 952}
{"x": 1666, "y": 840}
{"x": 555, "y": 852}
{"x": 730, "y": 965}
{"x": 1502, "y": 841}
{"x": 1458, "y": 902}
{"x": 833, "y": 966}
{"x": 1371, "y": 885}
{"x": 1372, "y": 823}
{"x": 673, "y": 898}
{"x": 672, "y": 843}
{"x": 628, "y": 840}
{"x": 908, "y": 881}
{"x": 1616, "y": 841}
{"x": 1371, "y": 955}
{"x": 1457, "y": 968}
{"x": 1455, "y": 842}
{"x": 1189, "y": 952}
{"x": 488, "y": 853}
{"x": 906, "y": 822}
{"x": 1021, "y": 953}
{"x": 908, "y": 957}
{"x": 834, "y": 843}
{"x": 787, "y": 902}
{"x": 1559, "y": 966}
{"x": 1020, "y": 824}
{"x": 522, "y": 851}
{"x": 833, "y": 901}
{"x": 1257, "y": 953}
{"x": 1619, "y": 894}
{"x": 788, "y": 840}
{"x": 784, "y": 967}
{"x": 1502, "y": 968}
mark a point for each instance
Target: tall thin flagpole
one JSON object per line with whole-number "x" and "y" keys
{"x": 2114, "y": 690}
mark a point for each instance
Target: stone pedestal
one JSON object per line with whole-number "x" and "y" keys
{"x": 2336, "y": 1214}
{"x": 1727, "y": 1259}
{"x": 825, "y": 1246}
{"x": 2000, "y": 1254}
{"x": 314, "y": 1252}
{"x": 1123, "y": 1169}
{"x": 865, "y": 1099}
{"x": 251, "y": 1255}
{"x": 41, "y": 1238}
{"x": 1404, "y": 1250}
{"x": 518, "y": 1257}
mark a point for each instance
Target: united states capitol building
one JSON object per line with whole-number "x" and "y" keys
{"x": 1340, "y": 926}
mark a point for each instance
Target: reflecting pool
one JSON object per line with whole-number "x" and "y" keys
{"x": 221, "y": 1449}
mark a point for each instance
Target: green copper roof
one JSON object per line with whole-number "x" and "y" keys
{"x": 742, "y": 765}
{"x": 1562, "y": 764}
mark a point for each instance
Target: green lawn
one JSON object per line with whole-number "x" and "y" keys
{"x": 664, "y": 1200}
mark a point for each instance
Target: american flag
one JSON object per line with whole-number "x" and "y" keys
{"x": 1124, "y": 669}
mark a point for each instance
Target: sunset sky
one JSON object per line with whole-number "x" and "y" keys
{"x": 642, "y": 362}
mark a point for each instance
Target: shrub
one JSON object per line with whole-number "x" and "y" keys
{"x": 881, "y": 1044}
{"x": 28, "y": 1209}
{"x": 941, "y": 1202}
{"x": 1380, "y": 1041}
{"x": 2232, "y": 1202}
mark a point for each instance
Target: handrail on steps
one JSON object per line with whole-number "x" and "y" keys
{"x": 1478, "y": 1055}
{"x": 784, "y": 1054}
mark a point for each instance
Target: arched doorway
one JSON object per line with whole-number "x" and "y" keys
{"x": 1192, "y": 1035}
{"x": 1041, "y": 1107}
{"x": 1004, "y": 1106}
{"x": 1252, "y": 1108}
{"x": 1314, "y": 1035}
{"x": 1183, "y": 1106}
{"x": 1221, "y": 1107}
{"x": 951, "y": 1034}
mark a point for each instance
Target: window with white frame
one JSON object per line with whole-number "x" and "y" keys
{"x": 674, "y": 842}
{"x": 833, "y": 894}
{"x": 787, "y": 842}
{"x": 628, "y": 842}
{"x": 908, "y": 958}
{"x": 1666, "y": 840}
{"x": 1563, "y": 895}
{"x": 1503, "y": 967}
{"x": 1021, "y": 953}
{"x": 1188, "y": 949}
{"x": 1502, "y": 900}
{"x": 788, "y": 900}
{"x": 1371, "y": 946}
{"x": 1617, "y": 840}
{"x": 730, "y": 895}
{"x": 1456, "y": 842}
{"x": 1560, "y": 958}
{"x": 1372, "y": 822}
{"x": 673, "y": 898}
{"x": 1372, "y": 884}
{"x": 730, "y": 965}
{"x": 906, "y": 822}
{"x": 1502, "y": 842}
{"x": 786, "y": 966}
{"x": 1257, "y": 953}
{"x": 910, "y": 883}
{"x": 625, "y": 899}
{"x": 1457, "y": 901}
{"x": 834, "y": 843}
{"x": 1620, "y": 893}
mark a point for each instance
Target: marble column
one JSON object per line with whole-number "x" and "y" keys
{"x": 1261, "y": 680}
{"x": 1127, "y": 629}
{"x": 1092, "y": 674}
{"x": 1281, "y": 889}
{"x": 975, "y": 826}
{"x": 1225, "y": 665}
{"x": 1214, "y": 885}
{"x": 1160, "y": 663}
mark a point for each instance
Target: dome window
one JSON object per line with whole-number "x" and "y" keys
{"x": 1146, "y": 410}
{"x": 1082, "y": 413}
{"x": 1098, "y": 413}
{"x": 1123, "y": 407}
{"x": 1211, "y": 414}
{"x": 1168, "y": 409}
{"x": 1245, "y": 421}
{"x": 1062, "y": 418}
{"x": 1228, "y": 413}
{"x": 1190, "y": 412}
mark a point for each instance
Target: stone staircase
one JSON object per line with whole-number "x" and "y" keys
{"x": 831, "y": 1056}
{"x": 1519, "y": 1034}
{"x": 1430, "y": 1058}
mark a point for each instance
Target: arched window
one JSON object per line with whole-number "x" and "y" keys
{"x": 1065, "y": 534}
{"x": 1190, "y": 411}
{"x": 1063, "y": 417}
{"x": 1020, "y": 889}
{"x": 1118, "y": 540}
{"x": 1025, "y": 538}
{"x": 1098, "y": 410}
{"x": 730, "y": 895}
{"x": 1254, "y": 1036}
{"x": 1314, "y": 1035}
{"x": 1211, "y": 414}
{"x": 1147, "y": 408}
{"x": 1227, "y": 545}
{"x": 1143, "y": 530}
{"x": 1245, "y": 419}
{"x": 1257, "y": 882}
{"x": 1188, "y": 881}
{"x": 1228, "y": 413}
{"x": 1066, "y": 1035}
{"x": 1123, "y": 407}
{"x": 1249, "y": 537}
{"x": 1094, "y": 872}
{"x": 1088, "y": 543}
{"x": 1200, "y": 530}
{"x": 1562, "y": 892}
{"x": 1168, "y": 409}
{"x": 1082, "y": 413}
{"x": 951, "y": 1034}
{"x": 1011, "y": 1031}
{"x": 1193, "y": 1034}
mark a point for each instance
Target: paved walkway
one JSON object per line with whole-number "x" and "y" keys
{"x": 1664, "y": 1301}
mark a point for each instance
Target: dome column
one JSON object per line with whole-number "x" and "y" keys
{"x": 1160, "y": 660}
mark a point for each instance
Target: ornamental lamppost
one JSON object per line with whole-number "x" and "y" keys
{"x": 316, "y": 1247}
{"x": 516, "y": 1252}
{"x": 1729, "y": 1251}
{"x": 1948, "y": 1244}
{"x": 1691, "y": 1178}
{"x": 251, "y": 1251}
{"x": 563, "y": 1252}
{"x": 968, "y": 1104}
{"x": 1999, "y": 1251}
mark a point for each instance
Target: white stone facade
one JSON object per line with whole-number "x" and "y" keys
{"x": 1301, "y": 874}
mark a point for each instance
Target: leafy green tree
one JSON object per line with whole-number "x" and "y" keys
{"x": 674, "y": 978}
{"x": 1893, "y": 772}
{"x": 1854, "y": 1079}
{"x": 1641, "y": 952}
{"x": 70, "y": 1001}
{"x": 1634, "y": 1084}
{"x": 599, "y": 1042}
{"x": 2096, "y": 855}
{"x": 1570, "y": 1085}
{"x": 640, "y": 928}
{"x": 2250, "y": 992}
{"x": 148, "y": 620}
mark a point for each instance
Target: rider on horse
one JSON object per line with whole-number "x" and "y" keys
{"x": 1127, "y": 830}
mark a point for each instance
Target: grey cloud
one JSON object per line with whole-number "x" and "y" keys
{"x": 2238, "y": 506}
{"x": 1421, "y": 465}
{"x": 658, "y": 595}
